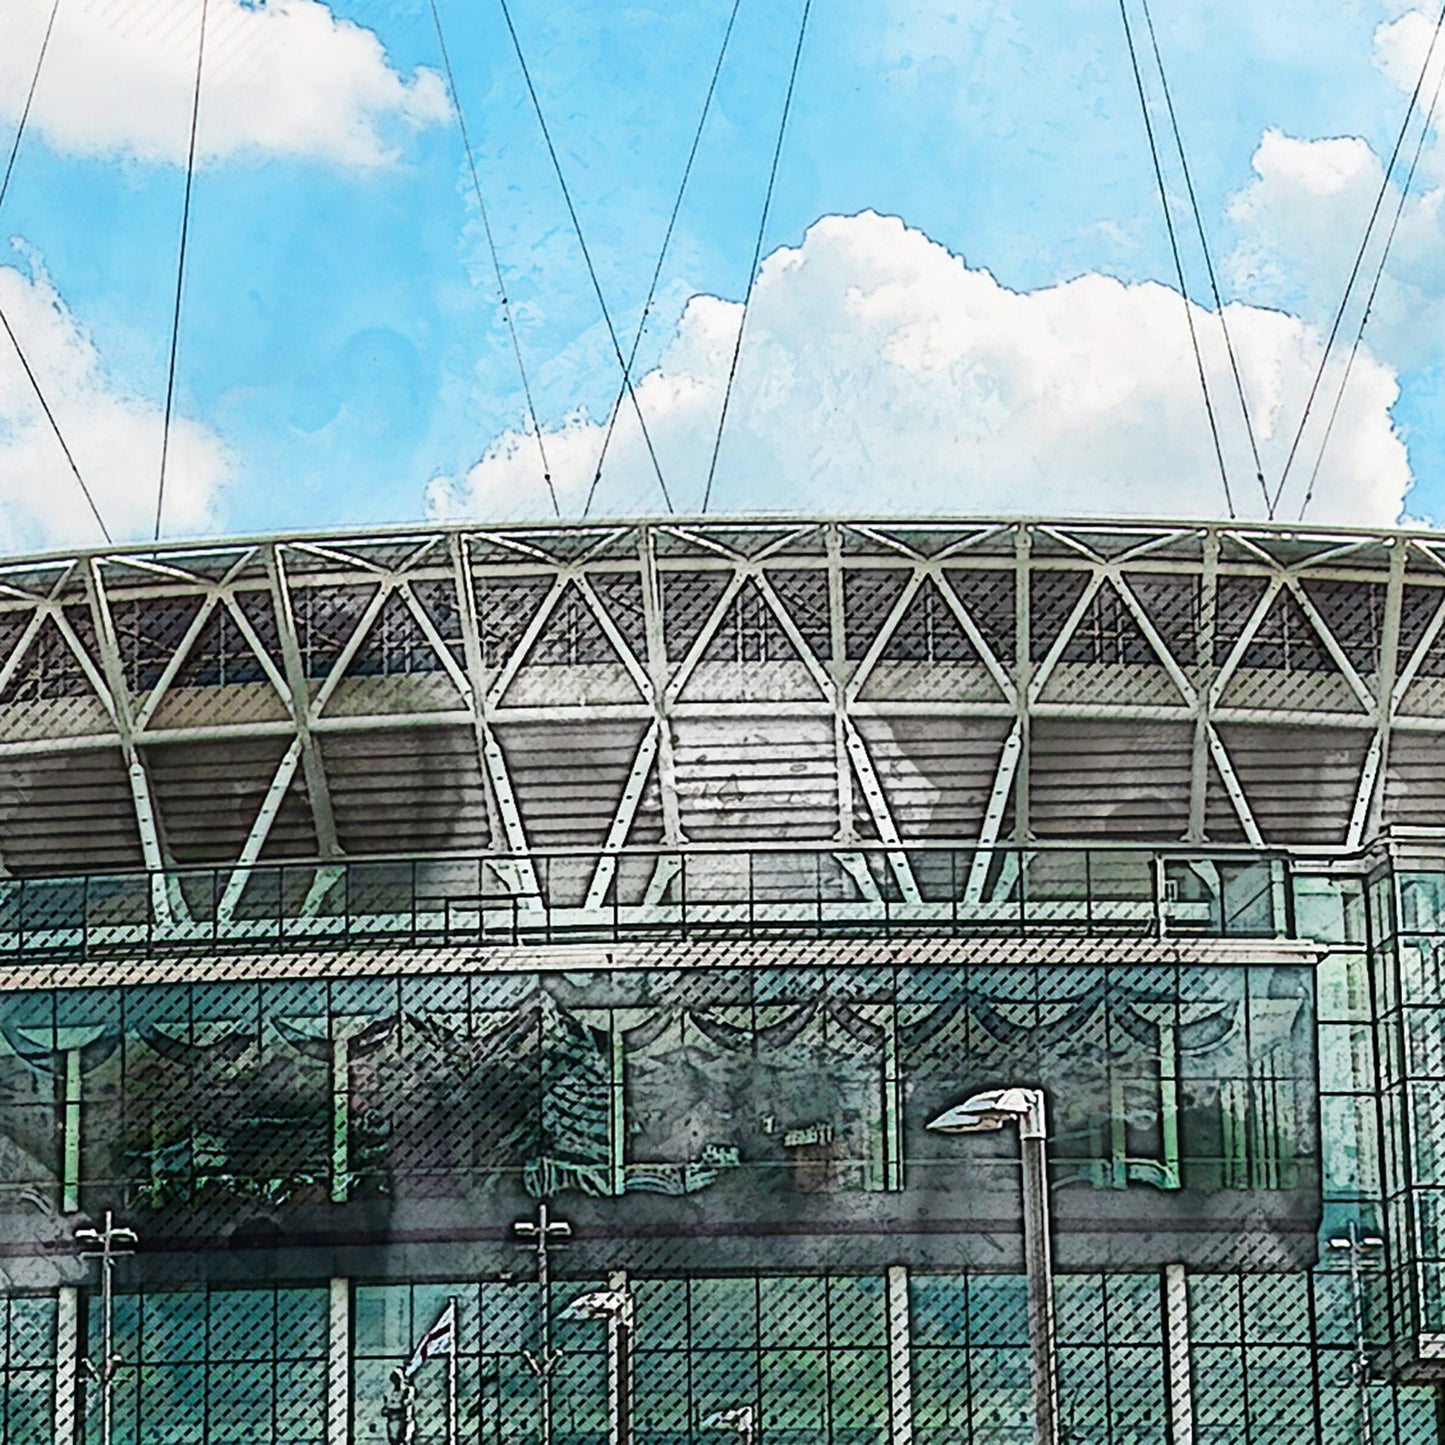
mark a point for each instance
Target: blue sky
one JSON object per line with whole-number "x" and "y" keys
{"x": 342, "y": 347}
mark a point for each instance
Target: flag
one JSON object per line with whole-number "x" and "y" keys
{"x": 441, "y": 1339}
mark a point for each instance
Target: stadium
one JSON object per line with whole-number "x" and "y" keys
{"x": 653, "y": 886}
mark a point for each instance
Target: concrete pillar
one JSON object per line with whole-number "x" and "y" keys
{"x": 1176, "y": 1334}
{"x": 900, "y": 1363}
{"x": 338, "y": 1368}
{"x": 67, "y": 1359}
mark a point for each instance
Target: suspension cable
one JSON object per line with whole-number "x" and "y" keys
{"x": 181, "y": 270}
{"x": 1370, "y": 299}
{"x": 1178, "y": 260}
{"x": 1208, "y": 258}
{"x": 506, "y": 302}
{"x": 662, "y": 254}
{"x": 1359, "y": 258}
{"x": 586, "y": 254}
{"x": 5, "y": 320}
{"x": 757, "y": 252}
{"x": 29, "y": 98}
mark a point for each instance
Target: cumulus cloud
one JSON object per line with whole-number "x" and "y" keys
{"x": 114, "y": 437}
{"x": 1300, "y": 221}
{"x": 882, "y": 373}
{"x": 281, "y": 77}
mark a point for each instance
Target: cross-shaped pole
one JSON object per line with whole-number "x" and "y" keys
{"x": 107, "y": 1245}
{"x": 540, "y": 1234}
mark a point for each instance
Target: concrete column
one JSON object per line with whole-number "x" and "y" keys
{"x": 338, "y": 1369}
{"x": 67, "y": 1359}
{"x": 900, "y": 1363}
{"x": 1176, "y": 1334}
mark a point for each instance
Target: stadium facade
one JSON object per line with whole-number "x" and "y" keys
{"x": 361, "y": 895}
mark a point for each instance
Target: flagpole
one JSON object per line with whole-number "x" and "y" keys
{"x": 452, "y": 1376}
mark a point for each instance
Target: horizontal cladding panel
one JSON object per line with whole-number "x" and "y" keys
{"x": 750, "y": 778}
{"x": 1119, "y": 778}
{"x": 937, "y": 773}
{"x": 568, "y": 778}
{"x": 65, "y": 813}
{"x": 1415, "y": 781}
{"x": 208, "y": 794}
{"x": 1301, "y": 782}
{"x": 406, "y": 791}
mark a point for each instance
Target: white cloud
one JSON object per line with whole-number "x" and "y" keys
{"x": 281, "y": 77}
{"x": 114, "y": 437}
{"x": 1299, "y": 225}
{"x": 881, "y": 374}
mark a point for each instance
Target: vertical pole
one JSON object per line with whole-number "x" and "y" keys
{"x": 1362, "y": 1358}
{"x": 1181, "y": 1390}
{"x": 340, "y": 1145}
{"x": 70, "y": 1202}
{"x": 900, "y": 1362}
{"x": 452, "y": 1374}
{"x": 338, "y": 1364}
{"x": 107, "y": 1326}
{"x": 619, "y": 1350}
{"x": 544, "y": 1378}
{"x": 67, "y": 1352}
{"x": 1038, "y": 1264}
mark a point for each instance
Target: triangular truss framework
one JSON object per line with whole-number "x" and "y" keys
{"x": 483, "y": 628}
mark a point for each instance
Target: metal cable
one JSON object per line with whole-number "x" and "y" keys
{"x": 1208, "y": 258}
{"x": 586, "y": 254}
{"x": 29, "y": 98}
{"x": 1370, "y": 299}
{"x": 1178, "y": 261}
{"x": 757, "y": 252}
{"x": 181, "y": 270}
{"x": 496, "y": 262}
{"x": 5, "y": 320}
{"x": 55, "y": 427}
{"x": 662, "y": 254}
{"x": 1359, "y": 258}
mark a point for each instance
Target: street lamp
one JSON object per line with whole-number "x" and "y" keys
{"x": 107, "y": 1245}
{"x": 985, "y": 1113}
{"x": 1356, "y": 1243}
{"x": 740, "y": 1419}
{"x": 541, "y": 1234}
{"x": 616, "y": 1308}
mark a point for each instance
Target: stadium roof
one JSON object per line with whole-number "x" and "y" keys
{"x": 718, "y": 683}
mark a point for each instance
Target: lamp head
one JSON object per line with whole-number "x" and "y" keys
{"x": 991, "y": 1110}
{"x": 600, "y": 1304}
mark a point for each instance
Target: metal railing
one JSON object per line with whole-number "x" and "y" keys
{"x": 634, "y": 894}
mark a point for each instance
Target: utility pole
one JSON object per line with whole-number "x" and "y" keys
{"x": 540, "y": 1234}
{"x": 107, "y": 1245}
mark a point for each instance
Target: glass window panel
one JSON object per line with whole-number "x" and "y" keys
{"x": 792, "y": 1311}
{"x": 857, "y": 1310}
{"x": 795, "y": 1390}
{"x": 724, "y": 1313}
{"x": 241, "y": 1324}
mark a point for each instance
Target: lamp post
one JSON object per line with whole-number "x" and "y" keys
{"x": 107, "y": 1245}
{"x": 541, "y": 1234}
{"x": 985, "y": 1113}
{"x": 1355, "y": 1243}
{"x": 615, "y": 1306}
{"x": 740, "y": 1419}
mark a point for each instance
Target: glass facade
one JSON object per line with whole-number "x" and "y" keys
{"x": 1242, "y": 1165}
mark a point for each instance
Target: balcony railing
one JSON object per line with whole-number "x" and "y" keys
{"x": 637, "y": 894}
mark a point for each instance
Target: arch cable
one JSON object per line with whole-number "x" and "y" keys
{"x": 662, "y": 255}
{"x": 506, "y": 303}
{"x": 586, "y": 253}
{"x": 1178, "y": 259}
{"x": 5, "y": 320}
{"x": 757, "y": 252}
